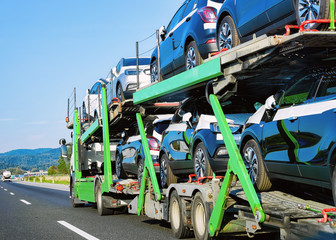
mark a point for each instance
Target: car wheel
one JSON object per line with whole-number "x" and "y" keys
{"x": 154, "y": 72}
{"x": 120, "y": 93}
{"x": 227, "y": 36}
{"x": 167, "y": 176}
{"x": 176, "y": 217}
{"x": 192, "y": 56}
{"x": 202, "y": 166}
{"x": 119, "y": 168}
{"x": 255, "y": 166}
{"x": 140, "y": 170}
{"x": 333, "y": 184}
{"x": 200, "y": 217}
{"x": 310, "y": 10}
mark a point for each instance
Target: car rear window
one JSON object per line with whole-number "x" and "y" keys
{"x": 132, "y": 61}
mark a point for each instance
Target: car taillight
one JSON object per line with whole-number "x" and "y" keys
{"x": 153, "y": 143}
{"x": 207, "y": 14}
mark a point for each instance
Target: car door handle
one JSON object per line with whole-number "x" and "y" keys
{"x": 293, "y": 119}
{"x": 188, "y": 19}
{"x": 171, "y": 34}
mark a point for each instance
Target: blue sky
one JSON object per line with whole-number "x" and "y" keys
{"x": 49, "y": 47}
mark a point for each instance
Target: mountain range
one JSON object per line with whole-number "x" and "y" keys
{"x": 27, "y": 159}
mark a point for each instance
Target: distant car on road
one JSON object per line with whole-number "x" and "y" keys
{"x": 188, "y": 39}
{"x": 125, "y": 77}
{"x": 239, "y": 20}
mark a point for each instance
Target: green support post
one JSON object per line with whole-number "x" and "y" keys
{"x": 237, "y": 167}
{"x": 148, "y": 168}
{"x": 76, "y": 136}
{"x": 106, "y": 140}
{"x": 332, "y": 15}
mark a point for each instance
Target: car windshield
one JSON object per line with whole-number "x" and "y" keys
{"x": 132, "y": 61}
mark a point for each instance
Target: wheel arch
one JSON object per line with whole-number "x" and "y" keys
{"x": 332, "y": 160}
{"x": 188, "y": 40}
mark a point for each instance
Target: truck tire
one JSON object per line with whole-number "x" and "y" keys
{"x": 73, "y": 198}
{"x": 167, "y": 176}
{"x": 202, "y": 166}
{"x": 99, "y": 198}
{"x": 200, "y": 218}
{"x": 255, "y": 166}
{"x": 177, "y": 216}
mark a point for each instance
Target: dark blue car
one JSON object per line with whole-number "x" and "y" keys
{"x": 193, "y": 143}
{"x": 239, "y": 20}
{"x": 293, "y": 136}
{"x": 189, "y": 38}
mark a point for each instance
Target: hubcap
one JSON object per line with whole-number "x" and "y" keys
{"x": 163, "y": 172}
{"x": 200, "y": 219}
{"x": 175, "y": 214}
{"x": 225, "y": 37}
{"x": 118, "y": 170}
{"x": 140, "y": 171}
{"x": 119, "y": 92}
{"x": 154, "y": 72}
{"x": 308, "y": 10}
{"x": 251, "y": 163}
{"x": 200, "y": 163}
{"x": 191, "y": 58}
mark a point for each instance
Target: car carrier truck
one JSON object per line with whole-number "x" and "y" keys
{"x": 217, "y": 205}
{"x": 6, "y": 176}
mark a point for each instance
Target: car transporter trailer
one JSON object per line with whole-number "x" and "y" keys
{"x": 219, "y": 205}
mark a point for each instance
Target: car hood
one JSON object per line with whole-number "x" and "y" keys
{"x": 239, "y": 118}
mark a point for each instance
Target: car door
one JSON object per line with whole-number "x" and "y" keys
{"x": 281, "y": 135}
{"x": 166, "y": 46}
{"x": 250, "y": 15}
{"x": 180, "y": 34}
{"x": 317, "y": 130}
{"x": 277, "y": 9}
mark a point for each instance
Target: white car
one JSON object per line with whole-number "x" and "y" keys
{"x": 125, "y": 77}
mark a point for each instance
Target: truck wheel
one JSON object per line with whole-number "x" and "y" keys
{"x": 140, "y": 170}
{"x": 177, "y": 216}
{"x": 192, "y": 56}
{"x": 119, "y": 168}
{"x": 227, "y": 36}
{"x": 75, "y": 205}
{"x": 202, "y": 166}
{"x": 310, "y": 10}
{"x": 167, "y": 176}
{"x": 100, "y": 205}
{"x": 255, "y": 166}
{"x": 200, "y": 218}
{"x": 120, "y": 93}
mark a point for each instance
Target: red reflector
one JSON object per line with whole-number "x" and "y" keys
{"x": 207, "y": 14}
{"x": 211, "y": 41}
{"x": 156, "y": 164}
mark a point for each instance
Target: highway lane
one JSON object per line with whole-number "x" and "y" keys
{"x": 40, "y": 219}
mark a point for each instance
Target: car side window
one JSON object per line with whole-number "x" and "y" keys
{"x": 327, "y": 87}
{"x": 191, "y": 5}
{"x": 119, "y": 66}
{"x": 298, "y": 93}
{"x": 186, "y": 107}
{"x": 176, "y": 19}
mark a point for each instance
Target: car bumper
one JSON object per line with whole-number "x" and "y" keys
{"x": 182, "y": 167}
{"x": 207, "y": 48}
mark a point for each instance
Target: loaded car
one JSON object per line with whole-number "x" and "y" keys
{"x": 292, "y": 136}
{"x": 125, "y": 77}
{"x": 189, "y": 38}
{"x": 193, "y": 143}
{"x": 239, "y": 20}
{"x": 130, "y": 155}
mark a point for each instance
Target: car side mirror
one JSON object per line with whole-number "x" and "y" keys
{"x": 186, "y": 118}
{"x": 162, "y": 33}
{"x": 270, "y": 103}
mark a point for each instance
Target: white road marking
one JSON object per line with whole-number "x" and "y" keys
{"x": 11, "y": 193}
{"x": 1, "y": 187}
{"x": 77, "y": 230}
{"x": 24, "y": 201}
{"x": 5, "y": 189}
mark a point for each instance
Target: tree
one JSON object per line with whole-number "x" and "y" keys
{"x": 62, "y": 166}
{"x": 52, "y": 170}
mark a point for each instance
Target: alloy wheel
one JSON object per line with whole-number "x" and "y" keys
{"x": 225, "y": 37}
{"x": 154, "y": 72}
{"x": 191, "y": 58}
{"x": 308, "y": 10}
{"x": 118, "y": 168}
{"x": 251, "y": 163}
{"x": 140, "y": 170}
{"x": 200, "y": 163}
{"x": 163, "y": 172}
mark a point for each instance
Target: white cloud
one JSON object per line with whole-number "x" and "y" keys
{"x": 6, "y": 119}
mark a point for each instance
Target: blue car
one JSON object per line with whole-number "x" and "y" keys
{"x": 193, "y": 143}
{"x": 239, "y": 20}
{"x": 293, "y": 136}
{"x": 189, "y": 38}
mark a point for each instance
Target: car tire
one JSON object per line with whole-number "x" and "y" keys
{"x": 120, "y": 93}
{"x": 167, "y": 176}
{"x": 302, "y": 7}
{"x": 200, "y": 217}
{"x": 177, "y": 216}
{"x": 202, "y": 166}
{"x": 140, "y": 170}
{"x": 227, "y": 35}
{"x": 192, "y": 57}
{"x": 119, "y": 168}
{"x": 333, "y": 185}
{"x": 255, "y": 166}
{"x": 154, "y": 72}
